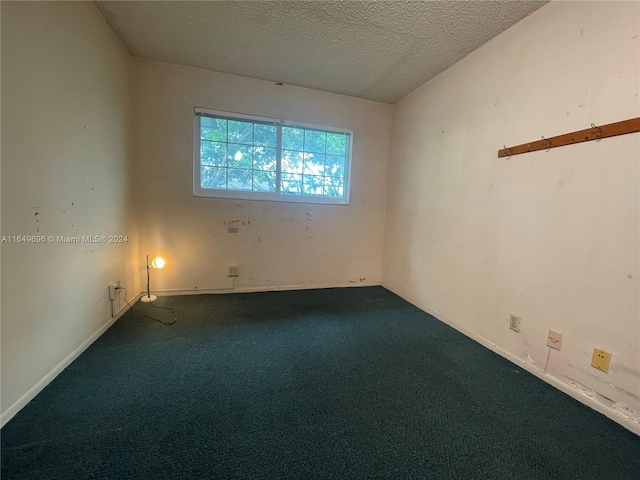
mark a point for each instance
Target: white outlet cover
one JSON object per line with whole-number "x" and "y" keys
{"x": 113, "y": 293}
{"x": 514, "y": 322}
{"x": 554, "y": 340}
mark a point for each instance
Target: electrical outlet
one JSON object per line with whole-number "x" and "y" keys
{"x": 554, "y": 340}
{"x": 112, "y": 290}
{"x": 514, "y": 322}
{"x": 234, "y": 271}
{"x": 600, "y": 360}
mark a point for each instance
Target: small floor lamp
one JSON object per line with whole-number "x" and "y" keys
{"x": 157, "y": 262}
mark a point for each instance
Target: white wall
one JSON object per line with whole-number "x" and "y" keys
{"x": 65, "y": 171}
{"x": 552, "y": 236}
{"x": 276, "y": 245}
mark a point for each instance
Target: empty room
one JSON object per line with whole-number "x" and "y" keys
{"x": 320, "y": 239}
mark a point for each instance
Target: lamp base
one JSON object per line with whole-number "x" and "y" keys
{"x": 148, "y": 298}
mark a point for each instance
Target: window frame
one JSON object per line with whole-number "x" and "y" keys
{"x": 276, "y": 196}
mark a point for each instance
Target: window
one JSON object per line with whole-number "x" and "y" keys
{"x": 254, "y": 158}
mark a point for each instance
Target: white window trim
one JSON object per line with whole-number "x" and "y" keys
{"x": 198, "y": 191}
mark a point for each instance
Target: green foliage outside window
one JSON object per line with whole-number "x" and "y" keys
{"x": 242, "y": 155}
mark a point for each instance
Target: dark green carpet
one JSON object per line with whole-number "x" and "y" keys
{"x": 338, "y": 383}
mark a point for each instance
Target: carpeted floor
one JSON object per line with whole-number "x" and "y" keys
{"x": 338, "y": 383}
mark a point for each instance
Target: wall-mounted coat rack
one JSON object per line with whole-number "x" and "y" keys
{"x": 593, "y": 133}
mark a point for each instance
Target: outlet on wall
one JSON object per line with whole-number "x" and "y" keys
{"x": 112, "y": 290}
{"x": 554, "y": 340}
{"x": 114, "y": 297}
{"x": 514, "y": 322}
{"x": 234, "y": 271}
{"x": 600, "y": 360}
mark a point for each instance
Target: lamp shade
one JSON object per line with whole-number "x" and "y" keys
{"x": 157, "y": 262}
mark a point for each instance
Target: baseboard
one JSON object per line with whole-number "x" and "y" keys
{"x": 38, "y": 387}
{"x": 276, "y": 288}
{"x": 628, "y": 419}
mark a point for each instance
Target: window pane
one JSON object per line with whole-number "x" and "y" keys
{"x": 213, "y": 129}
{"x": 334, "y": 166}
{"x": 313, "y": 164}
{"x": 337, "y": 144}
{"x": 291, "y": 184}
{"x": 292, "y": 138}
{"x": 240, "y": 179}
{"x": 240, "y": 132}
{"x": 264, "y": 181}
{"x": 292, "y": 162}
{"x": 313, "y": 185}
{"x": 266, "y": 135}
{"x": 264, "y": 158}
{"x": 239, "y": 156}
{"x": 314, "y": 141}
{"x": 212, "y": 177}
{"x": 213, "y": 153}
{"x": 333, "y": 187}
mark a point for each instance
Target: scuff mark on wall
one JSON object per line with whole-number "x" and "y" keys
{"x": 530, "y": 361}
{"x": 619, "y": 408}
{"x": 625, "y": 412}
{"x": 242, "y": 219}
{"x": 36, "y": 217}
{"x": 604, "y": 381}
{"x": 620, "y": 367}
{"x": 583, "y": 390}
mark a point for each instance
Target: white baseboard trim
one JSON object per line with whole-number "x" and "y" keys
{"x": 277, "y": 288}
{"x": 619, "y": 414}
{"x": 38, "y": 387}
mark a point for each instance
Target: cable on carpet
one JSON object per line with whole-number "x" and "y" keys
{"x": 175, "y": 316}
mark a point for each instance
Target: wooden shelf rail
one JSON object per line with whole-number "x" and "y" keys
{"x": 594, "y": 133}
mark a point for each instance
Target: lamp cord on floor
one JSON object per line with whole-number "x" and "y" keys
{"x": 175, "y": 316}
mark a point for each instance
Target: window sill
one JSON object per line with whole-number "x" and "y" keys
{"x": 267, "y": 197}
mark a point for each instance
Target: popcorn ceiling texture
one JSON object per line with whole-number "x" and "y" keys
{"x": 375, "y": 50}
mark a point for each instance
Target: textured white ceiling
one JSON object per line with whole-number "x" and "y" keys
{"x": 377, "y": 50}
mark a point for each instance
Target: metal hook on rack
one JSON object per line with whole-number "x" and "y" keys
{"x": 547, "y": 140}
{"x": 594, "y": 126}
{"x": 510, "y": 151}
